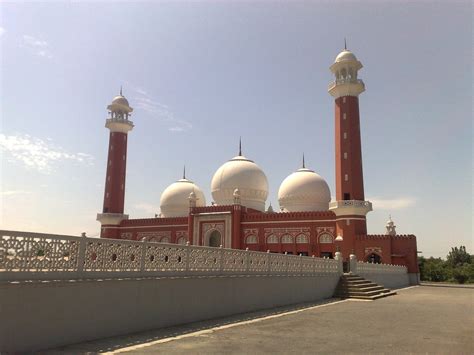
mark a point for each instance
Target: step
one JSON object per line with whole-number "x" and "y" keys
{"x": 371, "y": 298}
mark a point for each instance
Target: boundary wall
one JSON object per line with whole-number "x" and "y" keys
{"x": 389, "y": 276}
{"x": 57, "y": 290}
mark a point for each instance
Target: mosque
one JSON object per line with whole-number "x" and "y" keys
{"x": 308, "y": 222}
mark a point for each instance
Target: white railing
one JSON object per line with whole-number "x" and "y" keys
{"x": 350, "y": 203}
{"x": 344, "y": 81}
{"x": 371, "y": 268}
{"x": 36, "y": 256}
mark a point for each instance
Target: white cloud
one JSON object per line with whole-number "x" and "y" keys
{"x": 35, "y": 153}
{"x": 392, "y": 204}
{"x": 146, "y": 207}
{"x": 14, "y": 192}
{"x": 36, "y": 46}
{"x": 143, "y": 101}
{"x": 2, "y": 31}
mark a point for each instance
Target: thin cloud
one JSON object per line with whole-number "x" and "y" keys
{"x": 2, "y": 31}
{"x": 145, "y": 102}
{"x": 392, "y": 204}
{"x": 35, "y": 153}
{"x": 36, "y": 46}
{"x": 146, "y": 207}
{"x": 14, "y": 192}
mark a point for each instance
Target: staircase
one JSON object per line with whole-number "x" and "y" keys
{"x": 353, "y": 286}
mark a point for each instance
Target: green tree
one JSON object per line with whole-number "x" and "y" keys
{"x": 435, "y": 269}
{"x": 458, "y": 256}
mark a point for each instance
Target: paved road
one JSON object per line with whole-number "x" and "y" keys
{"x": 418, "y": 320}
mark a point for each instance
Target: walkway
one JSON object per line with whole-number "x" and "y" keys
{"x": 421, "y": 319}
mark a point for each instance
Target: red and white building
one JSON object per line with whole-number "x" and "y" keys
{"x": 308, "y": 222}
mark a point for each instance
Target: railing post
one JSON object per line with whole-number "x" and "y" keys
{"x": 352, "y": 264}
{"x": 142, "y": 256}
{"x": 338, "y": 257}
{"x": 187, "y": 257}
{"x": 286, "y": 263}
{"x": 81, "y": 256}
{"x": 247, "y": 260}
{"x": 221, "y": 259}
{"x": 269, "y": 262}
{"x": 301, "y": 263}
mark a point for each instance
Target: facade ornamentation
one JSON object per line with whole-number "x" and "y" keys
{"x": 154, "y": 236}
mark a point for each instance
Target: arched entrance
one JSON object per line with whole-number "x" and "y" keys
{"x": 374, "y": 258}
{"x": 215, "y": 239}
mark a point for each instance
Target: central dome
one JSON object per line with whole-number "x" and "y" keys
{"x": 304, "y": 190}
{"x": 243, "y": 174}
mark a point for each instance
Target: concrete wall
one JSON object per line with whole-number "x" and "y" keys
{"x": 44, "y": 314}
{"x": 388, "y": 280}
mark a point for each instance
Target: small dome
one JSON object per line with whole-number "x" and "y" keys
{"x": 174, "y": 201}
{"x": 345, "y": 56}
{"x": 120, "y": 100}
{"x": 304, "y": 190}
{"x": 246, "y": 176}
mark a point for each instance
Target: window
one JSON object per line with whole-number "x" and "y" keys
{"x": 346, "y": 177}
{"x": 345, "y": 135}
{"x": 272, "y": 239}
{"x": 251, "y": 239}
{"x": 344, "y": 100}
{"x": 325, "y": 238}
{"x": 347, "y": 196}
{"x": 302, "y": 239}
{"x": 344, "y": 114}
{"x": 287, "y": 239}
{"x": 165, "y": 240}
{"x": 345, "y": 155}
{"x": 182, "y": 241}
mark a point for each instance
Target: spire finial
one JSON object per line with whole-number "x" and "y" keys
{"x": 121, "y": 90}
{"x": 240, "y": 145}
{"x": 345, "y": 43}
{"x": 184, "y": 172}
{"x": 304, "y": 166}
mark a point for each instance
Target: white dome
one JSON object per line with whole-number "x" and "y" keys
{"x": 174, "y": 201}
{"x": 345, "y": 56}
{"x": 304, "y": 190}
{"x": 243, "y": 174}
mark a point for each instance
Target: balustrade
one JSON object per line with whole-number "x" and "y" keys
{"x": 37, "y": 256}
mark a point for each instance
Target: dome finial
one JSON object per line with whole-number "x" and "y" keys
{"x": 345, "y": 44}
{"x": 184, "y": 172}
{"x": 121, "y": 90}
{"x": 304, "y": 166}
{"x": 240, "y": 146}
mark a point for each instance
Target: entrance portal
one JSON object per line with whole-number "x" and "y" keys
{"x": 215, "y": 239}
{"x": 374, "y": 258}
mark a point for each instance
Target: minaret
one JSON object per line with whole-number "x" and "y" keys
{"x": 390, "y": 226}
{"x": 350, "y": 200}
{"x": 119, "y": 125}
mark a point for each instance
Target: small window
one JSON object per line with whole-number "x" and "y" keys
{"x": 346, "y": 177}
{"x": 345, "y": 135}
{"x": 345, "y": 155}
{"x": 344, "y": 115}
{"x": 347, "y": 196}
{"x": 344, "y": 100}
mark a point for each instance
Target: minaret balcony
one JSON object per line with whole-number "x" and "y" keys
{"x": 346, "y": 87}
{"x": 119, "y": 125}
{"x": 350, "y": 207}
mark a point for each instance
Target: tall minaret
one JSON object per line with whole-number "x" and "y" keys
{"x": 350, "y": 205}
{"x": 114, "y": 195}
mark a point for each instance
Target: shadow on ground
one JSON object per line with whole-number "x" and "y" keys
{"x": 119, "y": 342}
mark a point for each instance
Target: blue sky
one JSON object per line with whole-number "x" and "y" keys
{"x": 201, "y": 74}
